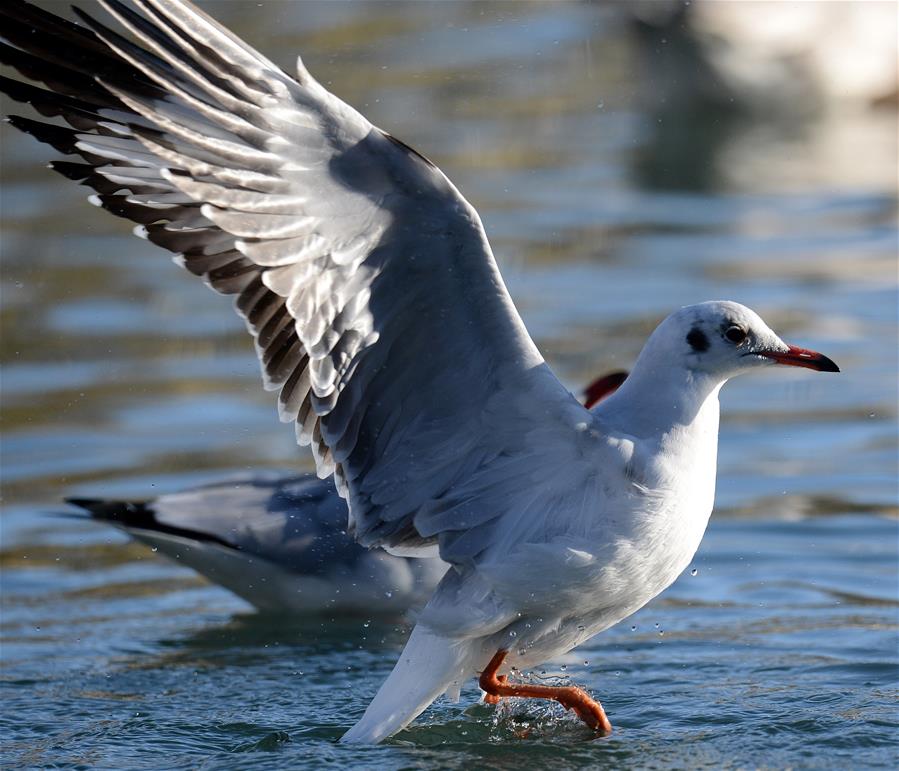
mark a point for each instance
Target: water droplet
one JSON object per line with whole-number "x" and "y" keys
{"x": 563, "y": 667}
{"x": 522, "y": 651}
{"x": 581, "y": 628}
{"x": 586, "y": 663}
{"x": 600, "y": 105}
{"x": 657, "y": 626}
{"x": 634, "y": 628}
{"x": 388, "y": 595}
{"x": 872, "y": 414}
{"x": 661, "y": 632}
{"x": 513, "y": 633}
{"x": 367, "y": 624}
{"x": 155, "y": 548}
{"x": 694, "y": 572}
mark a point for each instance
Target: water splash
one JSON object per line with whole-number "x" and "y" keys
{"x": 545, "y": 719}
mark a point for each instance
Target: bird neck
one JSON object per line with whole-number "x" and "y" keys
{"x": 655, "y": 400}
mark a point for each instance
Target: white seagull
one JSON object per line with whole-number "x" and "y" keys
{"x": 382, "y": 321}
{"x": 279, "y": 541}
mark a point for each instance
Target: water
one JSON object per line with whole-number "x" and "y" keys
{"x": 122, "y": 376}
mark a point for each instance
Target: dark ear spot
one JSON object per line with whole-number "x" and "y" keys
{"x": 697, "y": 340}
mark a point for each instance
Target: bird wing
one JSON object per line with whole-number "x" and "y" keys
{"x": 293, "y": 521}
{"x": 366, "y": 279}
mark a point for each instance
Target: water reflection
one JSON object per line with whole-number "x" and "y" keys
{"x": 310, "y": 634}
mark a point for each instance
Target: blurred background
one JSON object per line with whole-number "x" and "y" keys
{"x": 627, "y": 159}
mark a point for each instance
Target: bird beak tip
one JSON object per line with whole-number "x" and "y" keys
{"x": 802, "y": 357}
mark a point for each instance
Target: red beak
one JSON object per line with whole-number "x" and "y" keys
{"x": 602, "y": 387}
{"x": 801, "y": 357}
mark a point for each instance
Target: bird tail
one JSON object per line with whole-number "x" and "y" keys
{"x": 428, "y": 666}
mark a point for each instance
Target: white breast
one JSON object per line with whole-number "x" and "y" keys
{"x": 673, "y": 490}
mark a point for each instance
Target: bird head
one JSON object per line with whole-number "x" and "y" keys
{"x": 720, "y": 339}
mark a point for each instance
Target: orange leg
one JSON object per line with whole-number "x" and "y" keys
{"x": 490, "y": 698}
{"x": 570, "y": 697}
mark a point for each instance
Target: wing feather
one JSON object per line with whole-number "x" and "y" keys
{"x": 376, "y": 306}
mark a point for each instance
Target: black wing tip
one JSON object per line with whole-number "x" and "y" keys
{"x": 77, "y": 172}
{"x": 88, "y": 504}
{"x": 140, "y": 515}
{"x": 131, "y": 513}
{"x": 17, "y": 121}
{"x": 16, "y": 89}
{"x": 58, "y": 137}
{"x": 9, "y": 8}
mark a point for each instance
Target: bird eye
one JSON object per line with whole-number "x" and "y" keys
{"x": 735, "y": 334}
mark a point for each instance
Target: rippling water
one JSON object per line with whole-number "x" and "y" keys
{"x": 122, "y": 376}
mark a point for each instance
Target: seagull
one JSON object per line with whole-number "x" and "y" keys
{"x": 381, "y": 319}
{"x": 279, "y": 542}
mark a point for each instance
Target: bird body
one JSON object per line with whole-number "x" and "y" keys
{"x": 622, "y": 527}
{"x": 623, "y": 522}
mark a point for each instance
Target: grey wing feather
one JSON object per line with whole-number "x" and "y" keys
{"x": 366, "y": 279}
{"x": 297, "y": 522}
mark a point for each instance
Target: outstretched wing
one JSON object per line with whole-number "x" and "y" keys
{"x": 365, "y": 278}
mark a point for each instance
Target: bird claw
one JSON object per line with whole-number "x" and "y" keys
{"x": 492, "y": 698}
{"x": 586, "y": 708}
